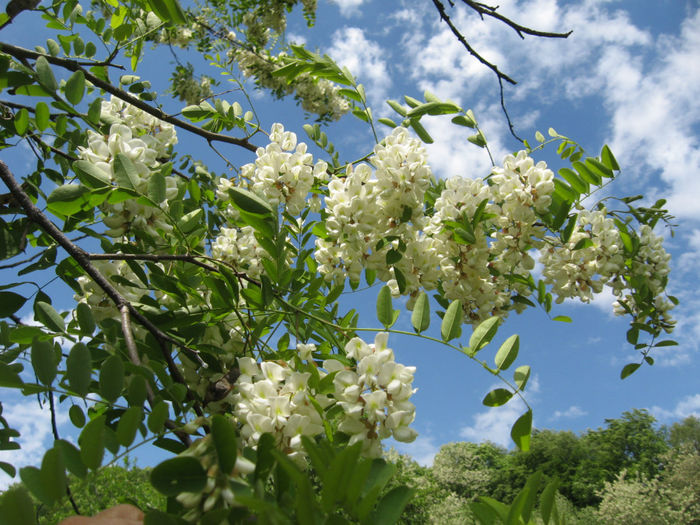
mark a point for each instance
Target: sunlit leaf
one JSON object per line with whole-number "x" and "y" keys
{"x": 483, "y": 334}
{"x": 497, "y": 397}
{"x": 507, "y": 352}
{"x": 420, "y": 318}
{"x": 75, "y": 87}
{"x": 520, "y": 433}
{"x": 451, "y": 327}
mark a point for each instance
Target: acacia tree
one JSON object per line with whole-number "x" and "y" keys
{"x": 206, "y": 317}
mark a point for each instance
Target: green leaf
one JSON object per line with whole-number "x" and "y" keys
{"x": 433, "y": 108}
{"x": 180, "y": 474}
{"x": 497, "y": 397}
{"x": 420, "y": 131}
{"x": 91, "y": 175}
{"x": 629, "y": 369}
{"x": 79, "y": 369}
{"x": 599, "y": 168}
{"x": 507, "y": 353}
{"x": 128, "y": 425}
{"x": 520, "y": 433}
{"x": 91, "y": 442}
{"x": 391, "y": 506}
{"x": 125, "y": 172}
{"x": 156, "y": 187}
{"x": 609, "y": 159}
{"x": 53, "y": 476}
{"x": 667, "y": 342}
{"x": 94, "y": 111}
{"x": 50, "y": 318}
{"x": 10, "y": 302}
{"x": 521, "y": 376}
{"x": 248, "y": 201}
{"x": 75, "y": 87}
{"x": 157, "y": 417}
{"x": 71, "y": 457}
{"x": 21, "y": 121}
{"x": 42, "y": 116}
{"x": 387, "y": 122}
{"x": 385, "y": 309}
{"x": 562, "y": 318}
{"x": 463, "y": 120}
{"x": 547, "y": 500}
{"x": 112, "y": 378}
{"x": 17, "y": 507}
{"x": 46, "y": 78}
{"x": 483, "y": 334}
{"x": 420, "y": 318}
{"x": 86, "y": 321}
{"x": 451, "y": 327}
{"x": 77, "y": 416}
{"x": 478, "y": 139}
{"x": 44, "y": 361}
{"x": 67, "y": 199}
{"x": 225, "y": 442}
{"x": 396, "y": 106}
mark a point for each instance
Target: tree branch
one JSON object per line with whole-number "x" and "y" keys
{"x": 72, "y": 65}
{"x": 491, "y": 11}
{"x": 83, "y": 259}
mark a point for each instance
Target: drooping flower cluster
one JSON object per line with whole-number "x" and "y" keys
{"x": 590, "y": 259}
{"x": 284, "y": 172}
{"x": 146, "y": 142}
{"x": 278, "y": 398}
{"x": 375, "y": 396}
{"x": 361, "y": 211}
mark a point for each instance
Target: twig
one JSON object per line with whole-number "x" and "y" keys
{"x": 72, "y": 65}
{"x": 83, "y": 259}
{"x": 487, "y": 10}
{"x": 56, "y": 436}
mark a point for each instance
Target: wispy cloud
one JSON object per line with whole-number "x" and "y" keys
{"x": 422, "y": 450}
{"x": 349, "y": 8}
{"x": 34, "y": 425}
{"x": 571, "y": 412}
{"x": 688, "y": 406}
{"x": 366, "y": 60}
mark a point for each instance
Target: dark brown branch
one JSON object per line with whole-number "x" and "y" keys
{"x": 445, "y": 17}
{"x": 83, "y": 259}
{"x": 72, "y": 65}
{"x": 134, "y": 357}
{"x": 491, "y": 11}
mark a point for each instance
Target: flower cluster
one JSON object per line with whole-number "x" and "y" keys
{"x": 145, "y": 141}
{"x": 592, "y": 257}
{"x": 375, "y": 395}
{"x": 279, "y": 398}
{"x": 284, "y": 172}
{"x": 101, "y": 306}
{"x": 362, "y": 211}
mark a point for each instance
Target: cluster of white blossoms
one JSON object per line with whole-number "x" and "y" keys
{"x": 375, "y": 395}
{"x": 101, "y": 305}
{"x": 362, "y": 211}
{"x": 145, "y": 141}
{"x": 584, "y": 271}
{"x": 284, "y": 172}
{"x": 481, "y": 232}
{"x": 239, "y": 247}
{"x": 652, "y": 266}
{"x": 275, "y": 397}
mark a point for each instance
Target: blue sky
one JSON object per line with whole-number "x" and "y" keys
{"x": 628, "y": 76}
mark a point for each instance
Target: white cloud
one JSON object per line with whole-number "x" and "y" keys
{"x": 365, "y": 59}
{"x": 422, "y": 450}
{"x": 348, "y": 8}
{"x": 34, "y": 426}
{"x": 688, "y": 406}
{"x": 571, "y": 412}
